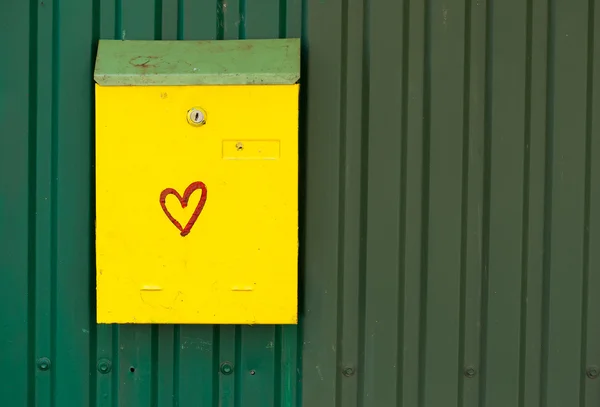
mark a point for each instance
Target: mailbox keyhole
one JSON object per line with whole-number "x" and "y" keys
{"x": 196, "y": 116}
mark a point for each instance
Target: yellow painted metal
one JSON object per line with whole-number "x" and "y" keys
{"x": 237, "y": 263}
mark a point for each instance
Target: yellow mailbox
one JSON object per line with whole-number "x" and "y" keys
{"x": 196, "y": 181}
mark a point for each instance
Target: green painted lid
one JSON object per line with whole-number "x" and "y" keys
{"x": 225, "y": 62}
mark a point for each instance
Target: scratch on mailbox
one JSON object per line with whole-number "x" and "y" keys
{"x": 151, "y": 288}
{"x": 246, "y": 288}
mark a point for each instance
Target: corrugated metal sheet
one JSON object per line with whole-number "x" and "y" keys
{"x": 450, "y": 223}
{"x": 46, "y": 224}
{"x": 452, "y": 218}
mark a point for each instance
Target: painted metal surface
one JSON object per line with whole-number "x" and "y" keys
{"x": 450, "y": 227}
{"x": 197, "y": 223}
{"x": 452, "y": 203}
{"x": 46, "y": 227}
{"x": 211, "y": 62}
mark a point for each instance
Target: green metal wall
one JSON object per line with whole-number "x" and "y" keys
{"x": 453, "y": 203}
{"x": 47, "y": 278}
{"x": 451, "y": 210}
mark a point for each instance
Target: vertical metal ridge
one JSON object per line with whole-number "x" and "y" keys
{"x": 56, "y": 80}
{"x": 216, "y": 358}
{"x": 116, "y": 372}
{"x": 93, "y": 356}
{"x": 158, "y": 18}
{"x": 526, "y": 206}
{"x": 425, "y": 172}
{"x": 464, "y": 201}
{"x": 289, "y": 350}
{"x": 277, "y": 366}
{"x": 401, "y": 291}
{"x": 119, "y": 19}
{"x": 302, "y": 186}
{"x": 548, "y": 185}
{"x": 180, "y": 19}
{"x": 342, "y": 186}
{"x": 220, "y": 19}
{"x": 237, "y": 385}
{"x": 93, "y": 343}
{"x": 487, "y": 168}
{"x": 31, "y": 204}
{"x": 364, "y": 201}
{"x": 283, "y": 18}
{"x": 242, "y": 24}
{"x": 154, "y": 345}
{"x": 176, "y": 363}
{"x": 585, "y": 292}
{"x": 298, "y": 373}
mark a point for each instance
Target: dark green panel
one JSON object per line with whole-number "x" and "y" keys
{"x": 286, "y": 348}
{"x": 473, "y": 147}
{"x": 165, "y": 352}
{"x": 196, "y": 375}
{"x": 169, "y": 20}
{"x": 442, "y": 226}
{"x": 505, "y": 138}
{"x": 472, "y": 290}
{"x": 290, "y": 24}
{"x": 255, "y": 366}
{"x": 133, "y": 365}
{"x": 230, "y": 23}
{"x": 533, "y": 209}
{"x": 227, "y": 355}
{"x": 17, "y": 201}
{"x": 45, "y": 197}
{"x": 104, "y": 352}
{"x": 110, "y": 18}
{"x": 260, "y": 19}
{"x": 381, "y": 383}
{"x": 352, "y": 202}
{"x": 413, "y": 61}
{"x": 565, "y": 202}
{"x": 320, "y": 203}
{"x": 46, "y": 231}
{"x": 198, "y": 20}
{"x": 591, "y": 279}
{"x": 138, "y": 18}
{"x": 71, "y": 240}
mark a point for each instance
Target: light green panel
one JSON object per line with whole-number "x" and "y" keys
{"x": 227, "y": 62}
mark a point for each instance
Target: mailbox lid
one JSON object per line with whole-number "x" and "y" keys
{"x": 220, "y": 62}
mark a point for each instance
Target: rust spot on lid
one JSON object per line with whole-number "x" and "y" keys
{"x": 142, "y": 61}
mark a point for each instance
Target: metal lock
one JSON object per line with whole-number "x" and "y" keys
{"x": 196, "y": 116}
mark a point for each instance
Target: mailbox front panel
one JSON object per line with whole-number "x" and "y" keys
{"x": 197, "y": 223}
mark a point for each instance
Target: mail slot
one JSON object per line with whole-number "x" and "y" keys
{"x": 196, "y": 181}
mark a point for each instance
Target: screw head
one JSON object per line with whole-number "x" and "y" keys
{"x": 239, "y": 146}
{"x": 226, "y": 368}
{"x": 104, "y": 366}
{"x": 44, "y": 363}
{"x": 470, "y": 371}
{"x": 593, "y": 372}
{"x": 348, "y": 371}
{"x": 196, "y": 116}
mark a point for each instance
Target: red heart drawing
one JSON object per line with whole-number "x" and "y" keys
{"x": 184, "y": 201}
